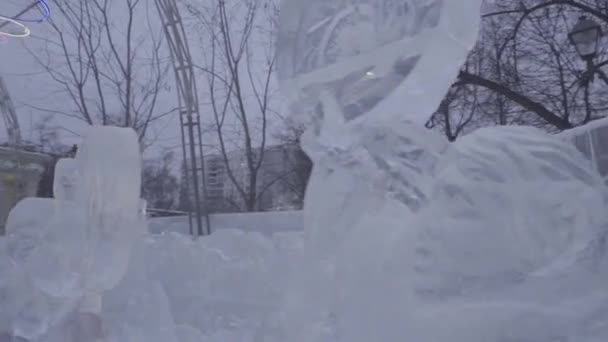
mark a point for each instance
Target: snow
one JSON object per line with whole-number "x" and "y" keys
{"x": 266, "y": 223}
{"x": 501, "y": 236}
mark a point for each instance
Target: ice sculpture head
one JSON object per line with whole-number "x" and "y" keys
{"x": 110, "y": 164}
{"x": 66, "y": 179}
{"x": 350, "y": 61}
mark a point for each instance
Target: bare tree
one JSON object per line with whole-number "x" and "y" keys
{"x": 108, "y": 65}
{"x": 238, "y": 65}
{"x": 526, "y": 71}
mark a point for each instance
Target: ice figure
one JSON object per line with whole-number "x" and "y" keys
{"x": 110, "y": 162}
{"x": 85, "y": 249}
{"x": 402, "y": 227}
{"x": 66, "y": 179}
{"x": 348, "y": 68}
{"x": 78, "y": 245}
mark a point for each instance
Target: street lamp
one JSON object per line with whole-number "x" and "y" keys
{"x": 585, "y": 36}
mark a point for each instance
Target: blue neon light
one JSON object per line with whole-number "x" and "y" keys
{"x": 47, "y": 13}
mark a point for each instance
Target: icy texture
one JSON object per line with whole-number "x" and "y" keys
{"x": 372, "y": 156}
{"x": 228, "y": 283}
{"x": 66, "y": 179}
{"x": 85, "y": 246}
{"x": 513, "y": 214}
{"x": 66, "y": 253}
{"x": 138, "y": 309}
{"x": 407, "y": 237}
{"x": 351, "y": 63}
{"x": 111, "y": 178}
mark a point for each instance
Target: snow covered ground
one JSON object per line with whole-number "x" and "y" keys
{"x": 266, "y": 223}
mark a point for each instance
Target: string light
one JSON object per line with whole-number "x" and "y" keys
{"x": 47, "y": 13}
{"x": 26, "y": 30}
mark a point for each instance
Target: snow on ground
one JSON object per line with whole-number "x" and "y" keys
{"x": 266, "y": 223}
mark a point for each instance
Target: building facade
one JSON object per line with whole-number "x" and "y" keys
{"x": 279, "y": 185}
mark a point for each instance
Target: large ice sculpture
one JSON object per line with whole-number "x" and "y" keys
{"x": 393, "y": 212}
{"x": 78, "y": 245}
{"x": 365, "y": 76}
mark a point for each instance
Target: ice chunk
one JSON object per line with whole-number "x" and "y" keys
{"x": 24, "y": 229}
{"x": 66, "y": 179}
{"x": 82, "y": 247}
{"x": 110, "y": 162}
{"x": 228, "y": 284}
{"x": 138, "y": 308}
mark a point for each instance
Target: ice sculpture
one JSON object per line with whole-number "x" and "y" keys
{"x": 348, "y": 68}
{"x": 78, "y": 245}
{"x": 393, "y": 212}
{"x": 111, "y": 178}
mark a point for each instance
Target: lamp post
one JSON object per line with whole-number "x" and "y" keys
{"x": 586, "y": 36}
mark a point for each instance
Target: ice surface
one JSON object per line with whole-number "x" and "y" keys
{"x": 111, "y": 178}
{"x": 71, "y": 251}
{"x": 407, "y": 237}
{"x": 138, "y": 309}
{"x": 367, "y": 99}
{"x": 228, "y": 283}
{"x": 110, "y": 163}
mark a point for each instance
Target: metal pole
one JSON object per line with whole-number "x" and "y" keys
{"x": 189, "y": 111}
